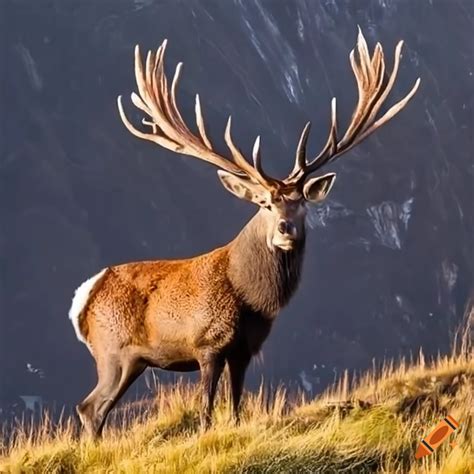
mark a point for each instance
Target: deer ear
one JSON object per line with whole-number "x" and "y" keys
{"x": 243, "y": 188}
{"x": 316, "y": 189}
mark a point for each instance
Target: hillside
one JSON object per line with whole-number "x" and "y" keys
{"x": 372, "y": 423}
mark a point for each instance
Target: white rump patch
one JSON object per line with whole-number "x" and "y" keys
{"x": 81, "y": 297}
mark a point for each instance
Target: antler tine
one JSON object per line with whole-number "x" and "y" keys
{"x": 257, "y": 157}
{"x": 368, "y": 130}
{"x": 299, "y": 172}
{"x": 300, "y": 158}
{"x": 159, "y": 86}
{"x": 369, "y": 73}
{"x": 169, "y": 130}
{"x": 256, "y": 173}
{"x": 200, "y": 123}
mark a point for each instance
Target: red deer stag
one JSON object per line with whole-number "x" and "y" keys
{"x": 203, "y": 312}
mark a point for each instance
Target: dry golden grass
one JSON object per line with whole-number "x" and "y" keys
{"x": 370, "y": 424}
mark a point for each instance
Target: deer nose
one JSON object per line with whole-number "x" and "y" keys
{"x": 286, "y": 228}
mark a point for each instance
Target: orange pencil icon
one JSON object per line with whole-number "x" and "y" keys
{"x": 443, "y": 429}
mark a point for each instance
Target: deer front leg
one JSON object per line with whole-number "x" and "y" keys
{"x": 211, "y": 366}
{"x": 238, "y": 364}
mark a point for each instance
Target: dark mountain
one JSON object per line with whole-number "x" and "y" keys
{"x": 390, "y": 262}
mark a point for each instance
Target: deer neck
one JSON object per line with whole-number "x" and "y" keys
{"x": 264, "y": 278}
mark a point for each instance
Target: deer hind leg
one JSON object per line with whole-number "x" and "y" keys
{"x": 115, "y": 376}
{"x": 211, "y": 369}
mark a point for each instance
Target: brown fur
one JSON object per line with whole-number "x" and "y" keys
{"x": 181, "y": 314}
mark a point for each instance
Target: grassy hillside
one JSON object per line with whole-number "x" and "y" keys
{"x": 371, "y": 424}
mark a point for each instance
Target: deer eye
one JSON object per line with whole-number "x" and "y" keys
{"x": 277, "y": 199}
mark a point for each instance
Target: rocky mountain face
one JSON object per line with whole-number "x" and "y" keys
{"x": 389, "y": 264}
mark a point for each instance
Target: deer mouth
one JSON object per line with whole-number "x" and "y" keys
{"x": 285, "y": 246}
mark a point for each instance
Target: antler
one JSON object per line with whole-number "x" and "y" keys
{"x": 369, "y": 73}
{"x": 170, "y": 131}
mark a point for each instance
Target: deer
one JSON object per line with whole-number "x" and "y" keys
{"x": 216, "y": 309}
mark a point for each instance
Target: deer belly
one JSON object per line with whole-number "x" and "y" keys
{"x": 185, "y": 366}
{"x": 172, "y": 356}
{"x": 169, "y": 346}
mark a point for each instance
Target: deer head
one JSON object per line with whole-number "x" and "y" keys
{"x": 283, "y": 202}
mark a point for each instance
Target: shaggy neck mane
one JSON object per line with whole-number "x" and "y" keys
{"x": 264, "y": 278}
